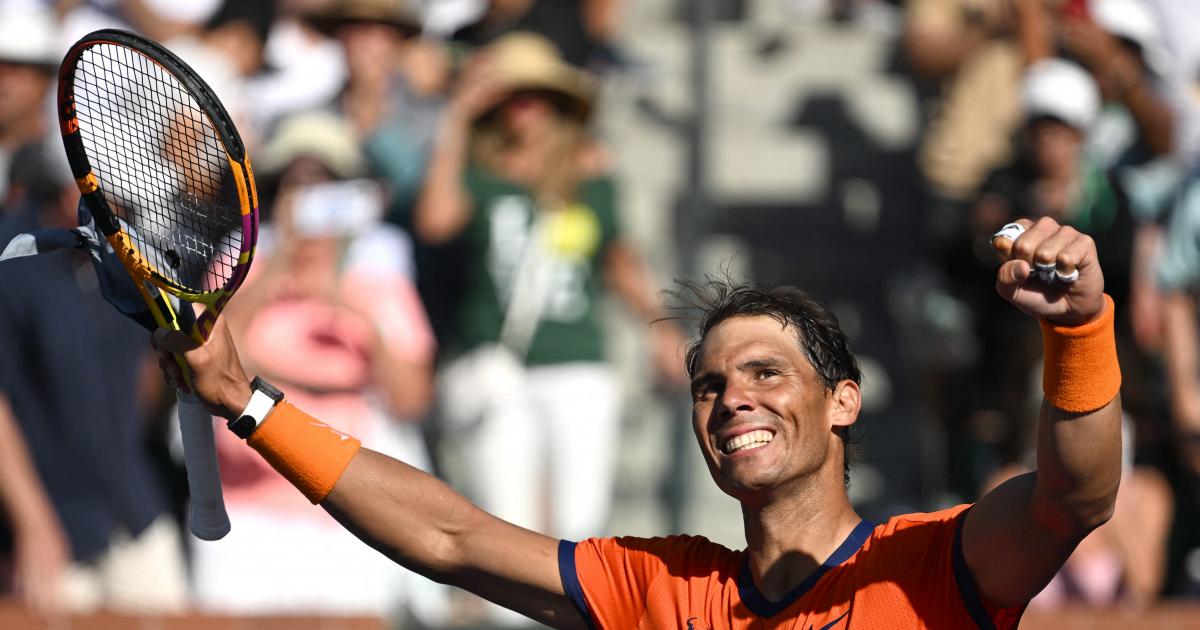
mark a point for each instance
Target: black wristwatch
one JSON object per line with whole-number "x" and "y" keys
{"x": 262, "y": 401}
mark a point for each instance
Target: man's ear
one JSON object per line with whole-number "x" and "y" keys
{"x": 845, "y": 402}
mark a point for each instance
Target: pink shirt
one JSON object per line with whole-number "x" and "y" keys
{"x": 319, "y": 354}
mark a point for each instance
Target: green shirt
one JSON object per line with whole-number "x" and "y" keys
{"x": 570, "y": 249}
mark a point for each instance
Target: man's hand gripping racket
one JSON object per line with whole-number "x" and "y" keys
{"x": 166, "y": 178}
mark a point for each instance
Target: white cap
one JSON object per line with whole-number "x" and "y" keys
{"x": 1135, "y": 21}
{"x": 1063, "y": 90}
{"x": 28, "y": 34}
{"x": 189, "y": 12}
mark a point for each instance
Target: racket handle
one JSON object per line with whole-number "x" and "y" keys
{"x": 208, "y": 519}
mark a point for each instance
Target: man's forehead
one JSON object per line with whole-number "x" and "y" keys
{"x": 748, "y": 334}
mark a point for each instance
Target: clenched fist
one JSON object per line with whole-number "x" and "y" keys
{"x": 1049, "y": 271}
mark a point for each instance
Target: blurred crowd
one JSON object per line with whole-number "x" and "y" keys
{"x": 444, "y": 226}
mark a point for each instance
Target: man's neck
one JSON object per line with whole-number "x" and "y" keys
{"x": 788, "y": 539}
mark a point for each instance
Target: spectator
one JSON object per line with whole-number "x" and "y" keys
{"x": 389, "y": 69}
{"x": 71, "y": 386}
{"x": 1179, "y": 280}
{"x": 29, "y": 59}
{"x": 393, "y": 91}
{"x": 520, "y": 186}
{"x": 1052, "y": 176}
{"x": 303, "y": 70}
{"x": 1120, "y": 43}
{"x": 330, "y": 310}
{"x": 976, "y": 52}
{"x": 223, "y": 42}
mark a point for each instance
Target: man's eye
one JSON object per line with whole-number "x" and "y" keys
{"x": 765, "y": 374}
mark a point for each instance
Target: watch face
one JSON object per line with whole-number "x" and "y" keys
{"x": 270, "y": 390}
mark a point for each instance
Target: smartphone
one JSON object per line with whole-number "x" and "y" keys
{"x": 339, "y": 209}
{"x": 1076, "y": 9}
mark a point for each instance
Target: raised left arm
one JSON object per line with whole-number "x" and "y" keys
{"x": 1017, "y": 536}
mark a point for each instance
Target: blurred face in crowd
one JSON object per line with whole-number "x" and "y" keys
{"x": 527, "y": 113}
{"x": 535, "y": 143}
{"x": 23, "y": 89}
{"x": 426, "y": 65}
{"x": 371, "y": 50}
{"x": 240, "y": 43}
{"x": 1055, "y": 147}
{"x": 310, "y": 260}
{"x": 762, "y": 415}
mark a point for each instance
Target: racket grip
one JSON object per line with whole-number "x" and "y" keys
{"x": 208, "y": 520}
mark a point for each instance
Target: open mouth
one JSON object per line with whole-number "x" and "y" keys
{"x": 747, "y": 441}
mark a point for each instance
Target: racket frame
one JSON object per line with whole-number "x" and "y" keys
{"x": 149, "y": 280}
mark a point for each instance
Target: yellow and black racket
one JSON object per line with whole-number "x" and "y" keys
{"x": 167, "y": 179}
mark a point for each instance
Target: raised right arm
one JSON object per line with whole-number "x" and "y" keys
{"x": 420, "y": 522}
{"x": 409, "y": 516}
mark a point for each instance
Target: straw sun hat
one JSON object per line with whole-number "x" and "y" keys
{"x": 526, "y": 61}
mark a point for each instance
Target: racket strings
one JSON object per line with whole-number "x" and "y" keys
{"x": 161, "y": 165}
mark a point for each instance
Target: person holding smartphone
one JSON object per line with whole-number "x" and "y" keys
{"x": 330, "y": 309}
{"x": 520, "y": 187}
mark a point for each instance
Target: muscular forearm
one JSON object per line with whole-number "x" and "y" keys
{"x": 1017, "y": 536}
{"x": 1079, "y": 430}
{"x": 413, "y": 518}
{"x": 420, "y": 522}
{"x": 1079, "y": 468}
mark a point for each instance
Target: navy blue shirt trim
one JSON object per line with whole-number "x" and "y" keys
{"x": 570, "y": 580}
{"x": 966, "y": 582}
{"x": 763, "y": 607}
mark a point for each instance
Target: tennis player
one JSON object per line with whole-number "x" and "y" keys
{"x": 775, "y": 389}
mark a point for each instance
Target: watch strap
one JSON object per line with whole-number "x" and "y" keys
{"x": 263, "y": 399}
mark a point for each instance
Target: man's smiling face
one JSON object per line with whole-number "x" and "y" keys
{"x": 762, "y": 415}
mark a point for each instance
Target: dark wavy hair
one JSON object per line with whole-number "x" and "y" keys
{"x": 817, "y": 331}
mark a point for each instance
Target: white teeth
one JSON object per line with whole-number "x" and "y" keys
{"x": 747, "y": 441}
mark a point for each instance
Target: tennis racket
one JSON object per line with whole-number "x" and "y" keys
{"x": 166, "y": 177}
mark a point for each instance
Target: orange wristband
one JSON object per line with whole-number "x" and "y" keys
{"x": 309, "y": 453}
{"x": 1080, "y": 372}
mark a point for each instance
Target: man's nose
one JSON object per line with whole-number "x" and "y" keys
{"x": 736, "y": 398}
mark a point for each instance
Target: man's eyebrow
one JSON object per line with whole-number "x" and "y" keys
{"x": 757, "y": 363}
{"x": 762, "y": 363}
